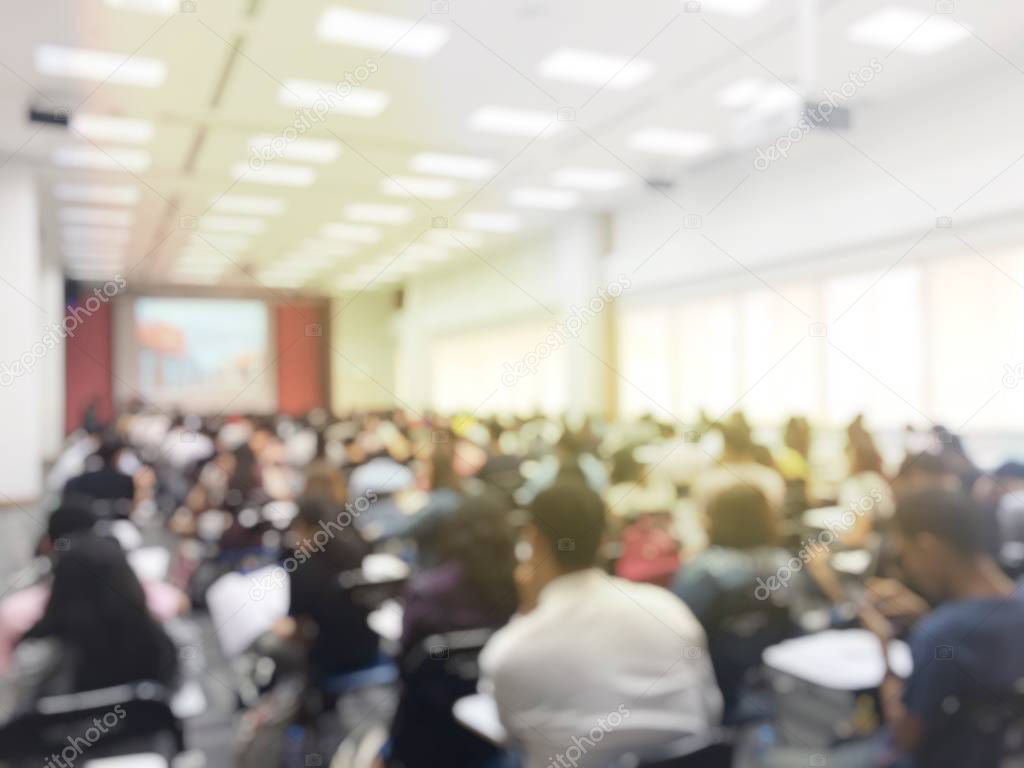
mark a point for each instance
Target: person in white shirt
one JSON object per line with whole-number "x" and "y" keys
{"x": 593, "y": 667}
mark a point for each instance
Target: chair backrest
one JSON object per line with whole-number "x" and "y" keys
{"x": 977, "y": 730}
{"x": 109, "y": 721}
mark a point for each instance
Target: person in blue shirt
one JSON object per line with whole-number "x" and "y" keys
{"x": 967, "y": 649}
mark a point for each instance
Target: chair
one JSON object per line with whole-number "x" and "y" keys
{"x": 436, "y": 673}
{"x": 137, "y": 717}
{"x": 977, "y": 730}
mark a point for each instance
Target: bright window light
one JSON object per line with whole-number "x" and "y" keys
{"x": 278, "y": 174}
{"x": 378, "y": 214}
{"x": 110, "y": 159}
{"x": 100, "y": 66}
{"x": 589, "y": 179}
{"x": 733, "y": 7}
{"x": 76, "y": 234}
{"x": 242, "y": 224}
{"x": 271, "y": 147}
{"x": 491, "y": 222}
{"x": 158, "y": 7}
{"x": 109, "y": 194}
{"x": 118, "y": 129}
{"x": 456, "y": 166}
{"x": 394, "y": 34}
{"x": 251, "y": 204}
{"x": 572, "y": 65}
{"x": 419, "y": 186}
{"x": 663, "y": 141}
{"x": 330, "y": 97}
{"x": 114, "y": 217}
{"x": 913, "y": 30}
{"x": 514, "y": 122}
{"x": 353, "y": 233}
{"x": 548, "y": 199}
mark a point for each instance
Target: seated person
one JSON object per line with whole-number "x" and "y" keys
{"x": 105, "y": 483}
{"x": 96, "y": 630}
{"x": 967, "y": 648}
{"x": 471, "y": 587}
{"x": 587, "y": 649}
{"x": 20, "y": 610}
{"x": 730, "y": 586}
{"x": 322, "y": 614}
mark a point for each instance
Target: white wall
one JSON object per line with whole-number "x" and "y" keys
{"x": 362, "y": 351}
{"x": 21, "y": 396}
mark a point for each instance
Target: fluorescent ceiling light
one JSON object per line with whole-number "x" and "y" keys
{"x": 270, "y": 147}
{"x": 221, "y": 242}
{"x": 393, "y": 34}
{"x": 457, "y": 166}
{"x": 96, "y": 193}
{"x": 100, "y": 66}
{"x": 491, "y": 222}
{"x": 114, "y": 217}
{"x": 913, "y": 30}
{"x": 741, "y": 93}
{"x": 424, "y": 252}
{"x": 279, "y": 174}
{"x": 244, "y": 224}
{"x": 75, "y": 234}
{"x": 573, "y": 65}
{"x": 252, "y": 204}
{"x": 117, "y": 129}
{"x": 159, "y": 7}
{"x": 592, "y": 179}
{"x": 351, "y": 232}
{"x": 419, "y": 186}
{"x": 513, "y": 122}
{"x": 378, "y": 214}
{"x": 359, "y": 101}
{"x": 664, "y": 141}
{"x": 733, "y": 7}
{"x": 550, "y": 199}
{"x": 131, "y": 160}
{"x": 312, "y": 260}
{"x": 448, "y": 238}
{"x": 332, "y": 247}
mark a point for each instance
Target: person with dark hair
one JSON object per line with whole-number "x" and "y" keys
{"x": 721, "y": 585}
{"x": 922, "y": 471}
{"x": 105, "y": 484}
{"x": 96, "y": 630}
{"x": 741, "y": 463}
{"x": 322, "y": 613}
{"x": 586, "y": 644}
{"x": 866, "y": 489}
{"x": 967, "y": 649}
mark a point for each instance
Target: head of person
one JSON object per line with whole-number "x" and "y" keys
{"x": 924, "y": 471}
{"x": 97, "y": 611}
{"x": 939, "y": 531}
{"x": 625, "y": 467}
{"x": 326, "y": 481}
{"x": 479, "y": 538}
{"x": 109, "y": 451}
{"x": 73, "y": 517}
{"x": 324, "y": 531}
{"x": 566, "y": 529}
{"x": 740, "y": 518}
{"x": 737, "y": 439}
{"x": 798, "y": 435}
{"x": 861, "y": 453}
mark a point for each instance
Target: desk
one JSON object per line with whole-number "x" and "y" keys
{"x": 479, "y": 713}
{"x": 380, "y": 568}
{"x": 386, "y": 621}
{"x": 845, "y": 660}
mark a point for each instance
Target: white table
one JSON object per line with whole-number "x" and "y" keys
{"x": 386, "y": 621}
{"x": 479, "y": 713}
{"x": 838, "y": 659}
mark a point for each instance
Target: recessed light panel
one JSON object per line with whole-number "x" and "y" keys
{"x": 117, "y": 129}
{"x": 573, "y": 65}
{"x": 491, "y": 222}
{"x": 110, "y": 159}
{"x": 271, "y": 147}
{"x": 456, "y": 166}
{"x": 548, "y": 199}
{"x": 109, "y": 194}
{"x": 353, "y": 233}
{"x": 513, "y": 122}
{"x": 377, "y": 32}
{"x": 378, "y": 214}
{"x": 419, "y": 186}
{"x": 278, "y": 174}
{"x": 114, "y": 217}
{"x": 331, "y": 98}
{"x": 588, "y": 179}
{"x": 911, "y": 29}
{"x": 100, "y": 66}
{"x": 251, "y": 204}
{"x": 664, "y": 141}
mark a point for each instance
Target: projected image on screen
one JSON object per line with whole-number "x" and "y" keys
{"x": 203, "y": 353}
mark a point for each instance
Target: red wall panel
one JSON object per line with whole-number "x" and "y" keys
{"x": 301, "y": 358}
{"x": 88, "y": 362}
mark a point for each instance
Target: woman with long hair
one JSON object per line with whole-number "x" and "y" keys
{"x": 96, "y": 630}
